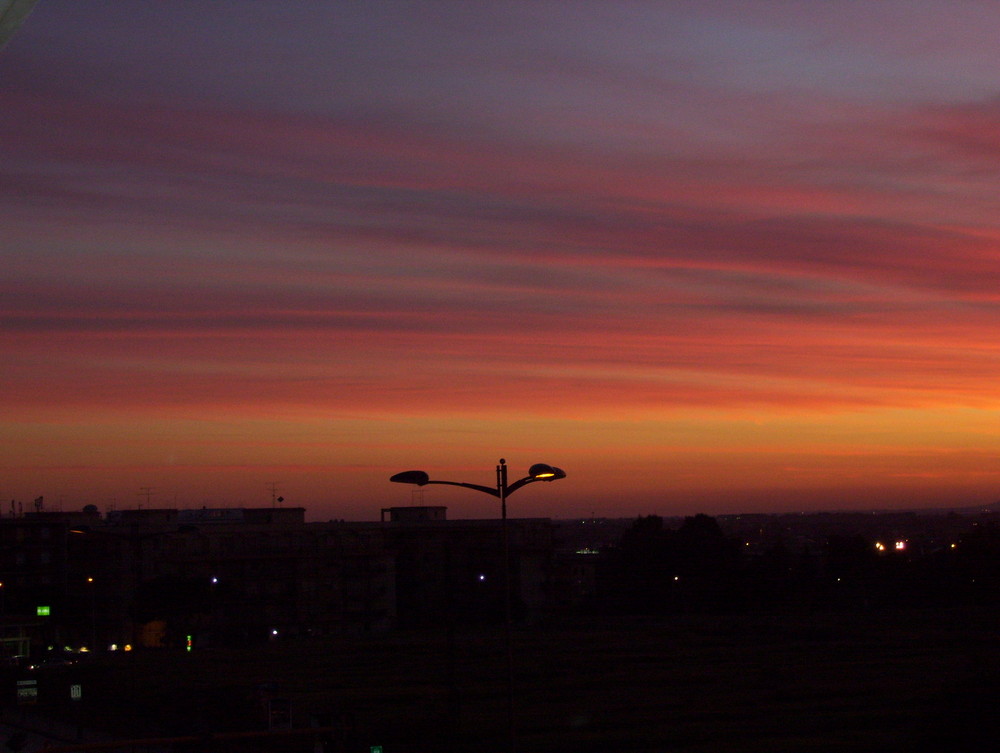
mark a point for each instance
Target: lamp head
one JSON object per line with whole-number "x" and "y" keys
{"x": 411, "y": 477}
{"x": 544, "y": 472}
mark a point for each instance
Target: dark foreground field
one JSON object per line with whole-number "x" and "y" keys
{"x": 901, "y": 680}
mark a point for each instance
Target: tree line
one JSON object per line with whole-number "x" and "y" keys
{"x": 696, "y": 567}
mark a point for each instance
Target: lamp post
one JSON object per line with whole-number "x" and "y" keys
{"x": 537, "y": 472}
{"x": 93, "y": 614}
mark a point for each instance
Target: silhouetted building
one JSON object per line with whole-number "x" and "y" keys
{"x": 414, "y": 514}
{"x": 223, "y": 575}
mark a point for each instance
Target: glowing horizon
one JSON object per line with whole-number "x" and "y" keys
{"x": 713, "y": 259}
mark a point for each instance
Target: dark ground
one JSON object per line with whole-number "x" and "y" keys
{"x": 905, "y": 680}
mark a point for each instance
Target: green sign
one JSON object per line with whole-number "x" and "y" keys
{"x": 375, "y": 749}
{"x": 44, "y": 611}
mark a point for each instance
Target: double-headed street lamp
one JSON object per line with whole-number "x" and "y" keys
{"x": 537, "y": 472}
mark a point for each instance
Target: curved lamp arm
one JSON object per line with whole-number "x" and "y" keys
{"x": 420, "y": 478}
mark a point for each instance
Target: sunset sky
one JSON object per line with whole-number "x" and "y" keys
{"x": 705, "y": 256}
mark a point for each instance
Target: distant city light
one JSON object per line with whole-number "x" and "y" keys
{"x": 482, "y": 577}
{"x": 880, "y": 546}
{"x": 900, "y": 546}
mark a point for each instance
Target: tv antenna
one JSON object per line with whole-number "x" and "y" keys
{"x": 272, "y": 486}
{"x": 147, "y": 492}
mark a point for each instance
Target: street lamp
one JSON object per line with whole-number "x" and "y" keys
{"x": 537, "y": 472}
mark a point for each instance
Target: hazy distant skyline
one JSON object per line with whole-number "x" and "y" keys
{"x": 706, "y": 257}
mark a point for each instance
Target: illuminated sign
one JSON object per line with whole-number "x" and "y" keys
{"x": 27, "y": 691}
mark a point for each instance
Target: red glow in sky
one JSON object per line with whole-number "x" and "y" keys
{"x": 706, "y": 257}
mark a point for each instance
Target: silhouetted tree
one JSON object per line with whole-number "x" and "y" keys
{"x": 708, "y": 564}
{"x": 653, "y": 569}
{"x": 636, "y": 576}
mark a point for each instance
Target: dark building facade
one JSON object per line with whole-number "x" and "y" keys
{"x": 167, "y": 577}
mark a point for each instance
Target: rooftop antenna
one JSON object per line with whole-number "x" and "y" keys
{"x": 273, "y": 488}
{"x": 147, "y": 492}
